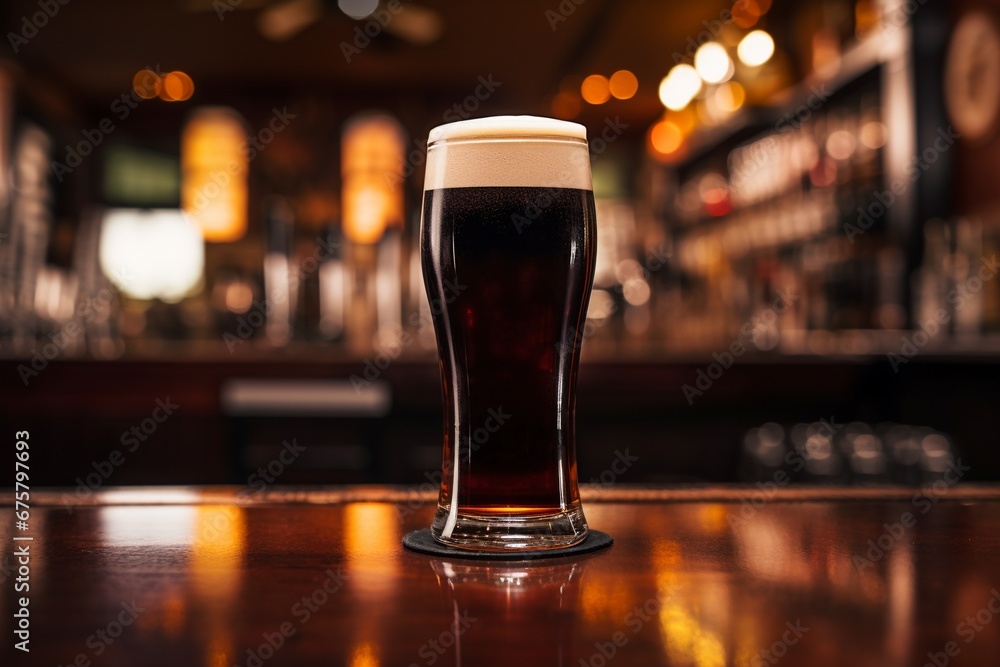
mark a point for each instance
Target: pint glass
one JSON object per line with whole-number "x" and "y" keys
{"x": 508, "y": 241}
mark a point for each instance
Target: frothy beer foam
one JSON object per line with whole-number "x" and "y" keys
{"x": 508, "y": 151}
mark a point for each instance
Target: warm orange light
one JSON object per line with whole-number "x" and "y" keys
{"x": 730, "y": 96}
{"x": 566, "y": 105}
{"x": 595, "y": 89}
{"x": 867, "y": 16}
{"x": 364, "y": 654}
{"x": 746, "y": 13}
{"x": 685, "y": 119}
{"x": 214, "y": 170}
{"x": 623, "y": 84}
{"x": 177, "y": 87}
{"x": 666, "y": 137}
{"x": 147, "y": 84}
{"x": 873, "y": 134}
{"x": 372, "y": 167}
{"x": 371, "y": 530}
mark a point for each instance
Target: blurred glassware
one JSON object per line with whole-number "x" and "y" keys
{"x": 856, "y": 454}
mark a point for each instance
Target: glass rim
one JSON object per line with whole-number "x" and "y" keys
{"x": 505, "y": 129}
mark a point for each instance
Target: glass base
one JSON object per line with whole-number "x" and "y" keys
{"x": 477, "y": 532}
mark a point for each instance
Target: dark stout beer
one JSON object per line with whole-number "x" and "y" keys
{"x": 508, "y": 248}
{"x": 508, "y": 323}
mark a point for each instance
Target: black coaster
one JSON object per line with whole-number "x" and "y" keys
{"x": 423, "y": 542}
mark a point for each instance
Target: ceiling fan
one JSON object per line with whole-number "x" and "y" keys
{"x": 281, "y": 20}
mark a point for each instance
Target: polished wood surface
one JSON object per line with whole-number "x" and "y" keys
{"x": 705, "y": 577}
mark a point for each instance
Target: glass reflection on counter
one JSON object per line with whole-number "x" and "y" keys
{"x": 512, "y": 597}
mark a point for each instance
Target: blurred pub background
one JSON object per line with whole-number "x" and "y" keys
{"x": 209, "y": 212}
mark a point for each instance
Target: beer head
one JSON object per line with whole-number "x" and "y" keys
{"x": 508, "y": 151}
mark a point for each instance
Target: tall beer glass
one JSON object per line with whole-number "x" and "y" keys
{"x": 508, "y": 241}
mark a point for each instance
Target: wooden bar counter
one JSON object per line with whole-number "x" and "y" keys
{"x": 706, "y": 576}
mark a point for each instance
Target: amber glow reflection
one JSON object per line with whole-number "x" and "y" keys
{"x": 685, "y": 638}
{"x": 714, "y": 518}
{"x": 603, "y": 599}
{"x": 373, "y": 170}
{"x": 216, "y": 566}
{"x": 364, "y": 654}
{"x": 214, "y": 170}
{"x": 219, "y": 653}
{"x": 767, "y": 548}
{"x": 173, "y": 614}
{"x": 371, "y": 531}
{"x": 902, "y": 599}
{"x": 219, "y": 540}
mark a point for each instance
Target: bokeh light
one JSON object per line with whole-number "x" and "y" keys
{"x": 566, "y": 105}
{"x": 840, "y": 145}
{"x": 623, "y": 84}
{"x": 358, "y": 9}
{"x": 665, "y": 137}
{"x": 147, "y": 84}
{"x": 746, "y": 13}
{"x": 756, "y": 48}
{"x": 679, "y": 87}
{"x": 713, "y": 63}
{"x": 177, "y": 86}
{"x": 873, "y": 134}
{"x": 729, "y": 97}
{"x": 595, "y": 89}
